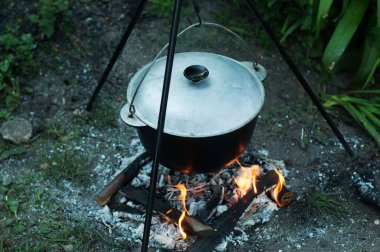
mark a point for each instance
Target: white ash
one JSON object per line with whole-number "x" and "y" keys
{"x": 200, "y": 189}
{"x": 260, "y": 212}
{"x": 221, "y": 209}
{"x": 237, "y": 237}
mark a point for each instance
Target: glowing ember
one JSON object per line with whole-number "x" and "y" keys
{"x": 247, "y": 178}
{"x": 182, "y": 198}
{"x": 166, "y": 217}
{"x": 277, "y": 190}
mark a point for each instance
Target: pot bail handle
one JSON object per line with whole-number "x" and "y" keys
{"x": 256, "y": 67}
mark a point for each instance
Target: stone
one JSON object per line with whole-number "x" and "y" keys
{"x": 17, "y": 130}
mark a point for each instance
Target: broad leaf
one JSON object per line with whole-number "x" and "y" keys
{"x": 323, "y": 10}
{"x": 344, "y": 32}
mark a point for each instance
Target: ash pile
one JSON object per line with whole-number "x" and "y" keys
{"x": 198, "y": 211}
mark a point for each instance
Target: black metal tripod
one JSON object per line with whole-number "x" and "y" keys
{"x": 166, "y": 86}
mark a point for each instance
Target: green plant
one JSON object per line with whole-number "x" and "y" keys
{"x": 70, "y": 165}
{"x": 7, "y": 150}
{"x": 103, "y": 115}
{"x": 50, "y": 15}
{"x": 364, "y": 111}
{"x": 321, "y": 204}
{"x": 17, "y": 49}
{"x": 331, "y": 30}
{"x": 16, "y": 59}
{"x": 56, "y": 131}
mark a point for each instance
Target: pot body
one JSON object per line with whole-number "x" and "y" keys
{"x": 198, "y": 154}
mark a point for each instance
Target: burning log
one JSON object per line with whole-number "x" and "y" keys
{"x": 226, "y": 222}
{"x": 367, "y": 191}
{"x": 124, "y": 177}
{"x": 140, "y": 196}
{"x": 285, "y": 197}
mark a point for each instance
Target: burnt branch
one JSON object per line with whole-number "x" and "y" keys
{"x": 140, "y": 196}
{"x": 124, "y": 177}
{"x": 226, "y": 222}
{"x": 367, "y": 191}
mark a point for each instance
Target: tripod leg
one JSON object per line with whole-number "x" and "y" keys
{"x": 301, "y": 79}
{"x": 161, "y": 121}
{"x": 117, "y": 53}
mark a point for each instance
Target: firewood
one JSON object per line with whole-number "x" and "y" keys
{"x": 124, "y": 177}
{"x": 140, "y": 196}
{"x": 367, "y": 191}
{"x": 226, "y": 222}
{"x": 285, "y": 197}
{"x": 209, "y": 210}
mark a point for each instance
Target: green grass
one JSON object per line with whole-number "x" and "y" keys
{"x": 320, "y": 205}
{"x": 30, "y": 220}
{"x": 57, "y": 131}
{"x": 71, "y": 165}
{"x": 7, "y": 149}
{"x": 104, "y": 116}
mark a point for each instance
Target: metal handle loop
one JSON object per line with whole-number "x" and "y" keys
{"x": 255, "y": 64}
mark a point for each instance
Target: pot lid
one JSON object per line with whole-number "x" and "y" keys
{"x": 209, "y": 95}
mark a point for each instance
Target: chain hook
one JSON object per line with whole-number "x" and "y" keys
{"x": 197, "y": 11}
{"x": 132, "y": 110}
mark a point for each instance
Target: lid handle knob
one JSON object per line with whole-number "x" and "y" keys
{"x": 196, "y": 73}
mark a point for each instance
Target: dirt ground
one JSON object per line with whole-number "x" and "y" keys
{"x": 61, "y": 89}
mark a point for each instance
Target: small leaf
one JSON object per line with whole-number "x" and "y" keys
{"x": 19, "y": 228}
{"x": 8, "y": 222}
{"x": 4, "y": 66}
{"x": 39, "y": 192}
{"x": 13, "y": 204}
{"x": 18, "y": 150}
{"x": 34, "y": 19}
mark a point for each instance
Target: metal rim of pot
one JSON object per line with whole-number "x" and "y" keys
{"x": 193, "y": 73}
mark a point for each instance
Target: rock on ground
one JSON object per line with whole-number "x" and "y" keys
{"x": 17, "y": 130}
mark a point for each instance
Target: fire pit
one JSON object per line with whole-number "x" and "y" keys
{"x": 200, "y": 211}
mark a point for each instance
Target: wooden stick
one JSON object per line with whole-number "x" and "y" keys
{"x": 140, "y": 195}
{"x": 124, "y": 177}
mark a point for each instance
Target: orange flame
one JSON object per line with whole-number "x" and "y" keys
{"x": 182, "y": 198}
{"x": 247, "y": 178}
{"x": 277, "y": 190}
{"x": 166, "y": 217}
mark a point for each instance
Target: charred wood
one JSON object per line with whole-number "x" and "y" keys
{"x": 367, "y": 191}
{"x": 140, "y": 196}
{"x": 285, "y": 197}
{"x": 124, "y": 177}
{"x": 210, "y": 208}
{"x": 226, "y": 222}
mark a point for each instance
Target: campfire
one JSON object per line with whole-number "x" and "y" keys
{"x": 198, "y": 211}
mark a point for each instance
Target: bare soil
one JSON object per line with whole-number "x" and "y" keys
{"x": 64, "y": 83}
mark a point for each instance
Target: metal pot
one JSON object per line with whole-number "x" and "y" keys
{"x": 212, "y": 109}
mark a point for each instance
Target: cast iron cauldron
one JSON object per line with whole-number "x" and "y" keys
{"x": 211, "y": 114}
